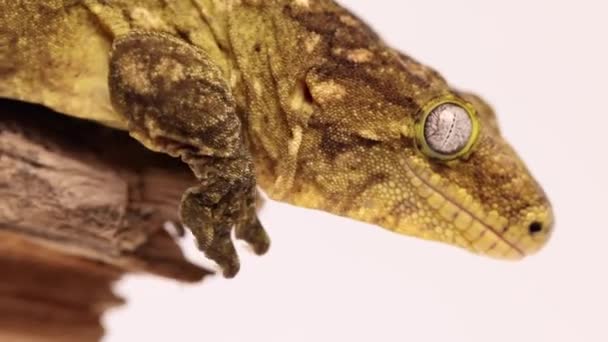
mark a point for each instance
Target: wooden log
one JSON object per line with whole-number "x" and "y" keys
{"x": 80, "y": 205}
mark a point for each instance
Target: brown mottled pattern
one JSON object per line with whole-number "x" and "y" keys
{"x": 361, "y": 124}
{"x": 191, "y": 106}
{"x": 327, "y": 111}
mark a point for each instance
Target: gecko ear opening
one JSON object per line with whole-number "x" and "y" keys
{"x": 447, "y": 129}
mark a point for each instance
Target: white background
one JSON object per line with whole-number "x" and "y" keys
{"x": 543, "y": 65}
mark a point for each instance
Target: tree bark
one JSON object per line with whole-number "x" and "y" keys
{"x": 80, "y": 205}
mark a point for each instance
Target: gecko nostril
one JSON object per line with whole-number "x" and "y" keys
{"x": 535, "y": 227}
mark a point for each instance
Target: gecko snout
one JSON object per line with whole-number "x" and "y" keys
{"x": 533, "y": 233}
{"x": 540, "y": 229}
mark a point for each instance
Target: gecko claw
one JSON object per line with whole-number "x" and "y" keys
{"x": 255, "y": 235}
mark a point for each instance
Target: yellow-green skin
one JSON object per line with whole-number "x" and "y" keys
{"x": 329, "y": 114}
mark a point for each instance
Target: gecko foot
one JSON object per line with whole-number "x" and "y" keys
{"x": 211, "y": 216}
{"x": 254, "y": 234}
{"x": 216, "y": 206}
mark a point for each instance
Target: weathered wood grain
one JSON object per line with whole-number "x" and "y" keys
{"x": 80, "y": 205}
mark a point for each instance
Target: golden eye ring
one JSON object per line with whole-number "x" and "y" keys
{"x": 447, "y": 129}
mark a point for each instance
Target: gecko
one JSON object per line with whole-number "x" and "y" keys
{"x": 300, "y": 98}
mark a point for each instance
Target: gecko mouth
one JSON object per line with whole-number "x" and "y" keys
{"x": 513, "y": 252}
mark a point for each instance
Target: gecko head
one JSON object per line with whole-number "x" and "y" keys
{"x": 473, "y": 180}
{"x": 392, "y": 144}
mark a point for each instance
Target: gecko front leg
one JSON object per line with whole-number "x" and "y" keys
{"x": 176, "y": 101}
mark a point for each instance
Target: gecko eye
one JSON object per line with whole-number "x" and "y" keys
{"x": 448, "y": 130}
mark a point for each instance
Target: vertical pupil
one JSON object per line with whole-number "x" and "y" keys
{"x": 448, "y": 128}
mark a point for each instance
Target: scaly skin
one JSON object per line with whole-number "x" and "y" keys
{"x": 326, "y": 112}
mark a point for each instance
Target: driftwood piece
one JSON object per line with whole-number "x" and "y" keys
{"x": 80, "y": 205}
